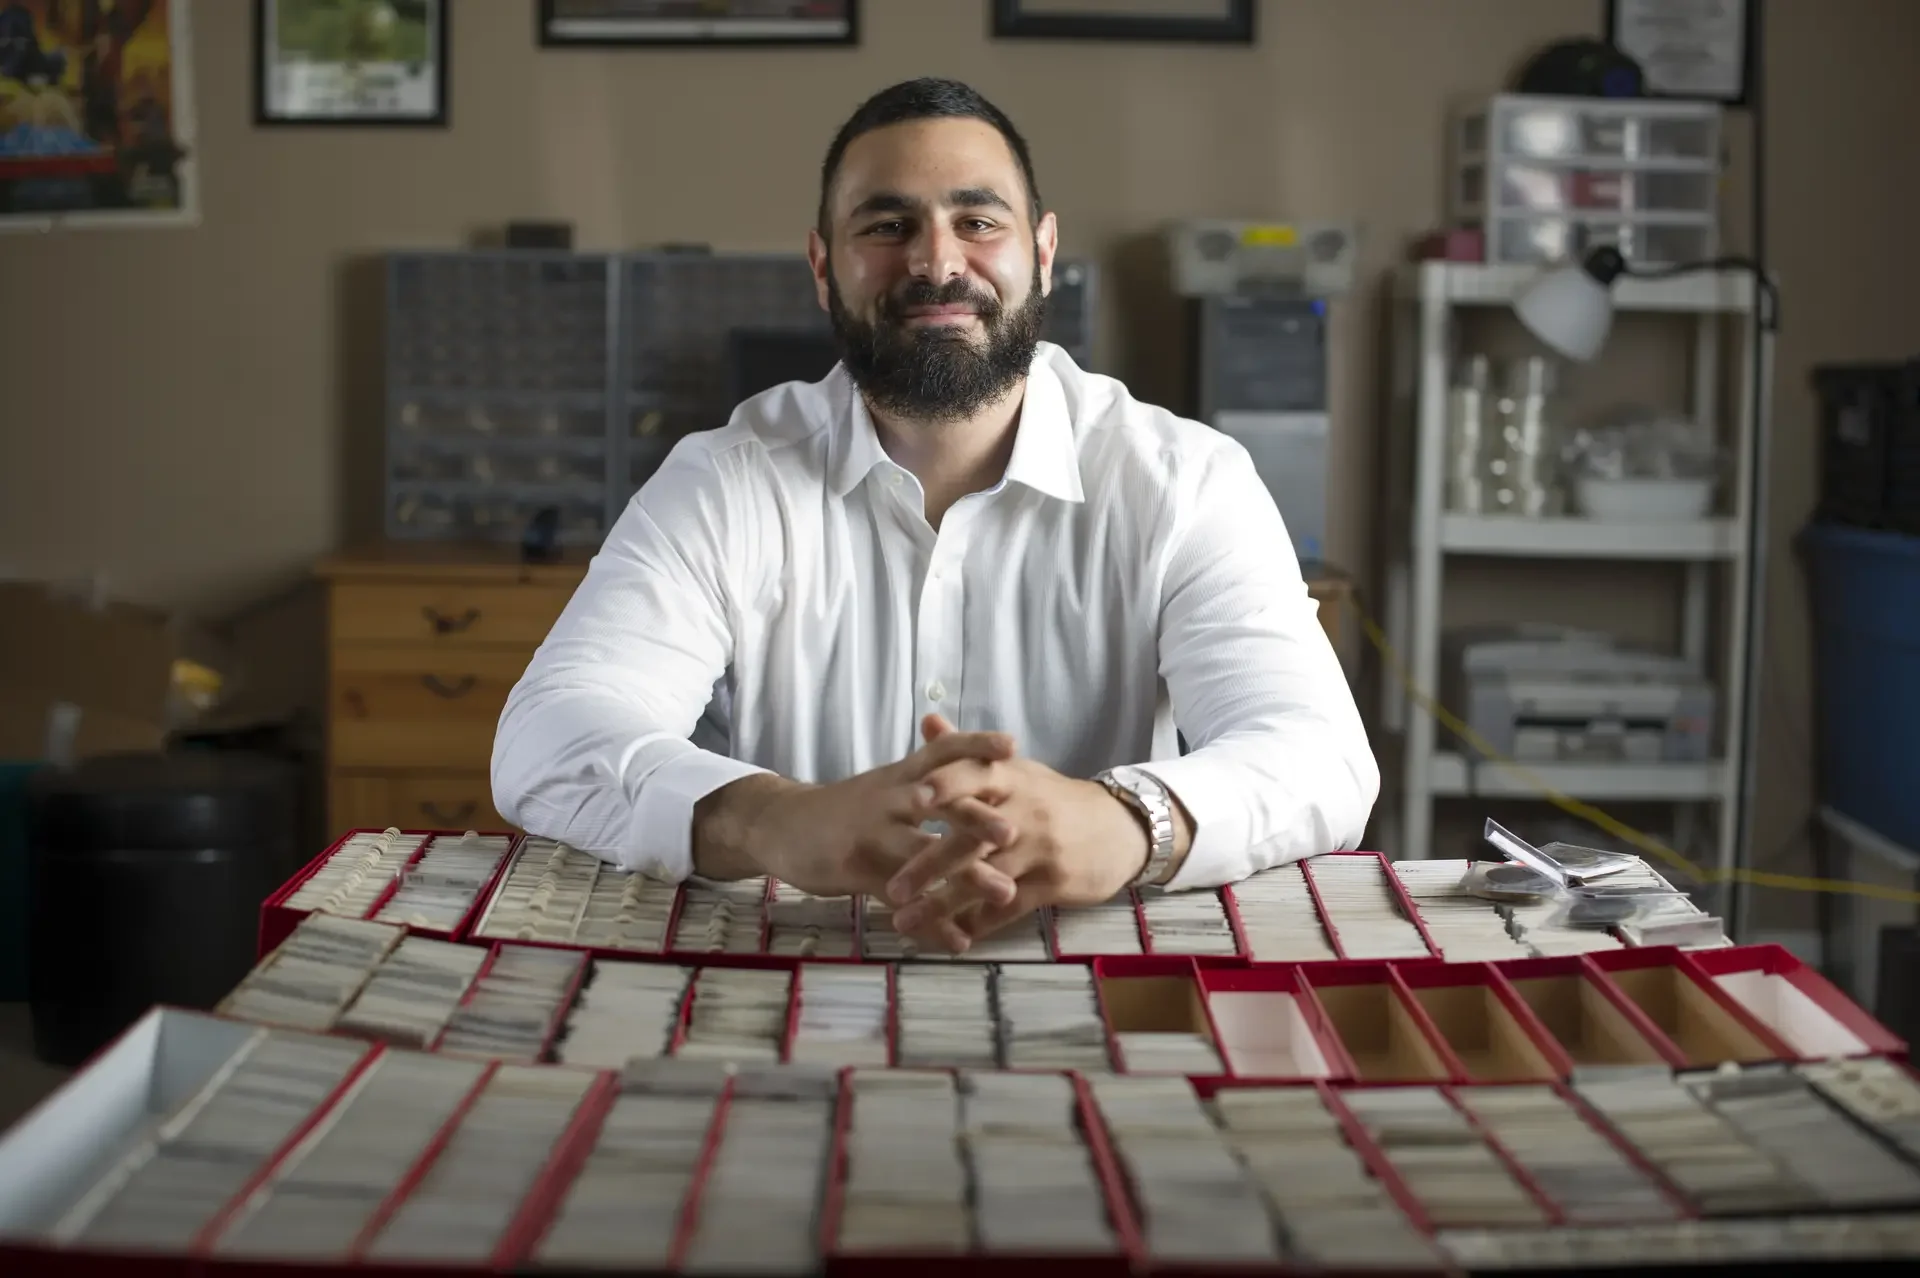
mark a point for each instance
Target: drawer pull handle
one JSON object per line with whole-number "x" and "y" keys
{"x": 441, "y": 688}
{"x": 445, "y": 625}
{"x": 457, "y": 819}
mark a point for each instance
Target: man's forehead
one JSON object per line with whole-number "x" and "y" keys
{"x": 928, "y": 161}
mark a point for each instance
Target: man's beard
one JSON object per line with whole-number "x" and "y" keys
{"x": 936, "y": 372}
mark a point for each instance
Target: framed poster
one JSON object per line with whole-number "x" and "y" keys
{"x": 1200, "y": 21}
{"x": 96, "y": 114}
{"x": 1699, "y": 49}
{"x": 357, "y": 63}
{"x": 699, "y": 22}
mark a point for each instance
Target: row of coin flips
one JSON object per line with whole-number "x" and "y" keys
{"x": 984, "y": 1162}
{"x": 433, "y": 891}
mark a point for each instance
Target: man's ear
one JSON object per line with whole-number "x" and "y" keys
{"x": 817, "y": 259}
{"x": 1046, "y": 242}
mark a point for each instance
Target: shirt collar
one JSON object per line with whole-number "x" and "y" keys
{"x": 1046, "y": 457}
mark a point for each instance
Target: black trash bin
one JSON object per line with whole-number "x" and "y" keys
{"x": 147, "y": 873}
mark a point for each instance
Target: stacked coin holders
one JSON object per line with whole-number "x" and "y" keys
{"x": 315, "y": 974}
{"x": 429, "y": 882}
{"x": 195, "y": 1137}
{"x": 1344, "y": 905}
{"x": 516, "y": 1005}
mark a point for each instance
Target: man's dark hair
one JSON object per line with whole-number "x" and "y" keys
{"x": 925, "y": 99}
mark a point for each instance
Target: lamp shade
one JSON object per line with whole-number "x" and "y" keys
{"x": 1568, "y": 307}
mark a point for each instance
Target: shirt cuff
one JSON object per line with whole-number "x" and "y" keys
{"x": 660, "y": 843}
{"x": 1218, "y": 853}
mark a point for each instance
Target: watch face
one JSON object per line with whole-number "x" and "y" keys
{"x": 1124, "y": 775}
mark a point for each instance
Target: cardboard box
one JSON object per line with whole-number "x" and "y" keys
{"x": 81, "y": 677}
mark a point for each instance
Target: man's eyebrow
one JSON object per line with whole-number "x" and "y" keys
{"x": 966, "y": 197}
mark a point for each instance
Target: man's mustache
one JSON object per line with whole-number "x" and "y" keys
{"x": 952, "y": 293}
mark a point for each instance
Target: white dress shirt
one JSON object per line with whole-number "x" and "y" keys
{"x": 1130, "y": 573}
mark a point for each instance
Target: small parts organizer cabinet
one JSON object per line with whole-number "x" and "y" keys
{"x": 423, "y": 645}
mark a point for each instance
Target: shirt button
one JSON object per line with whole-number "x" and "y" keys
{"x": 936, "y": 691}
{"x": 893, "y": 480}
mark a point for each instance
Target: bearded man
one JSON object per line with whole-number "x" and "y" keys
{"x": 958, "y": 602}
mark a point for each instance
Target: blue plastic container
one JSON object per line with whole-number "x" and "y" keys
{"x": 1866, "y": 632}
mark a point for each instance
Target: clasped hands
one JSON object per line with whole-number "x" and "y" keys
{"x": 1018, "y": 836}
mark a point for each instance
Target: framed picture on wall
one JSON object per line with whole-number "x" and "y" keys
{"x": 1202, "y": 21}
{"x": 1697, "y": 49}
{"x": 360, "y": 63}
{"x": 699, "y": 22}
{"x": 96, "y": 115}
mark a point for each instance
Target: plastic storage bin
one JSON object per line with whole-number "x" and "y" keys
{"x": 1547, "y": 178}
{"x": 1866, "y": 618}
{"x": 1870, "y": 444}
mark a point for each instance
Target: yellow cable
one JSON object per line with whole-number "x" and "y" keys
{"x": 1594, "y": 816}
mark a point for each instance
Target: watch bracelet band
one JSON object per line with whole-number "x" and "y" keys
{"x": 1151, "y": 802}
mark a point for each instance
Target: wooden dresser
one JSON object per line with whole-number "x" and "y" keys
{"x": 423, "y": 644}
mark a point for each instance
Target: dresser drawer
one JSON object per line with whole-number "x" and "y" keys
{"x": 418, "y": 705}
{"x": 411, "y": 801}
{"x": 450, "y": 614}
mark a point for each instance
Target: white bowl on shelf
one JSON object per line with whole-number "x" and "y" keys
{"x": 1644, "y": 501}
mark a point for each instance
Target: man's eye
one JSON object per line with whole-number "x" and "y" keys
{"x": 885, "y": 228}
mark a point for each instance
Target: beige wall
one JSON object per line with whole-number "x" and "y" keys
{"x": 191, "y": 411}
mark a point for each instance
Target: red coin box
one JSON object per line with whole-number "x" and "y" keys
{"x": 1383, "y": 1029}
{"x": 1489, "y": 1027}
{"x": 1393, "y": 886}
{"x": 1271, "y": 1025}
{"x": 1804, "y": 1009}
{"x": 1152, "y": 994}
{"x": 1591, "y": 1019}
{"x": 1705, "y": 1025}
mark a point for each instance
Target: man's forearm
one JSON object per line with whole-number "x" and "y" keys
{"x": 724, "y": 825}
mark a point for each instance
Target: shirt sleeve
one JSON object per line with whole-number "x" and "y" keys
{"x": 1280, "y": 766}
{"x": 592, "y": 748}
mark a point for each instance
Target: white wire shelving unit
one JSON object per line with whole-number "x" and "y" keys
{"x": 1721, "y": 316}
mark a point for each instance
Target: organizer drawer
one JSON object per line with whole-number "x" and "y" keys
{"x": 412, "y": 800}
{"x": 452, "y": 614}
{"x": 407, "y": 706}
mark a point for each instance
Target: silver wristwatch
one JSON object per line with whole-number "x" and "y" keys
{"x": 1143, "y": 793}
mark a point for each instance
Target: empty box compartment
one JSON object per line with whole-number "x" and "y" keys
{"x": 1706, "y": 1031}
{"x": 1588, "y": 1025}
{"x": 1485, "y": 1034}
{"x": 1381, "y": 1034}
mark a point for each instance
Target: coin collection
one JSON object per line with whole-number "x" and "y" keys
{"x": 905, "y": 1187}
{"x": 759, "y": 1209}
{"x": 843, "y": 1016}
{"x": 1166, "y": 1052}
{"x": 353, "y": 878}
{"x": 1034, "y": 1187}
{"x": 173, "y": 1185}
{"x": 462, "y": 1207}
{"x": 1363, "y": 911}
{"x": 1801, "y": 1239}
{"x": 512, "y": 1009}
{"x": 626, "y": 911}
{"x": 945, "y": 1018}
{"x": 1706, "y": 1157}
{"x": 721, "y": 918}
{"x": 1050, "y": 1018}
{"x": 1577, "y": 1169}
{"x": 623, "y": 1209}
{"x": 1196, "y": 1201}
{"x": 1188, "y": 923}
{"x": 625, "y": 1012}
{"x": 739, "y": 1014}
{"x": 324, "y": 1194}
{"x": 1783, "y": 1115}
{"x": 1445, "y": 1162}
{"x": 410, "y": 996}
{"x": 314, "y": 975}
{"x": 1878, "y": 1094}
{"x": 1332, "y": 1212}
{"x": 1112, "y": 927}
{"x": 801, "y": 925}
{"x": 1279, "y": 919}
{"x": 542, "y": 895}
{"x": 1464, "y": 928}
{"x": 440, "y": 888}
